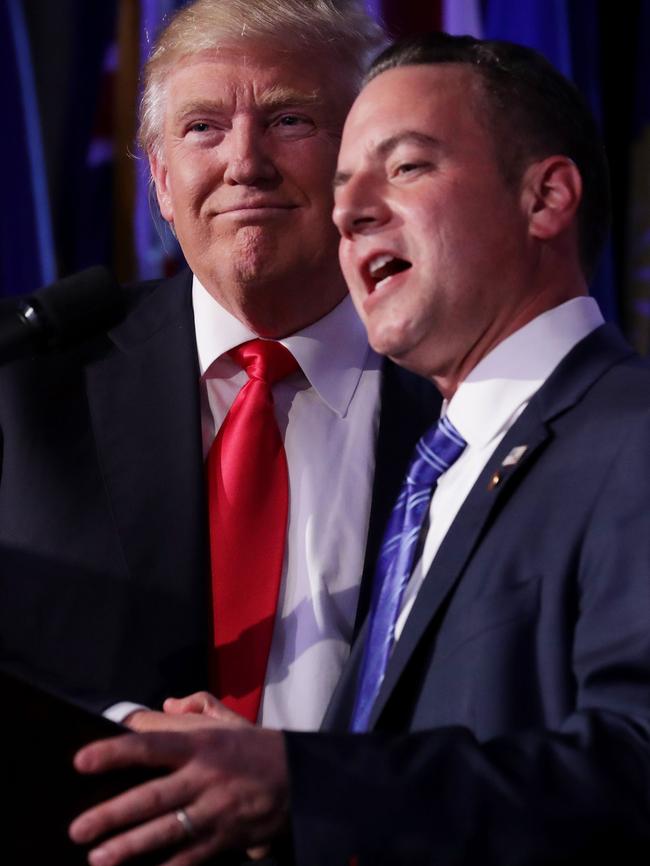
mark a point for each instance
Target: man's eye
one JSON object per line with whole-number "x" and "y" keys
{"x": 199, "y": 126}
{"x": 292, "y": 125}
{"x": 408, "y": 170}
{"x": 407, "y": 167}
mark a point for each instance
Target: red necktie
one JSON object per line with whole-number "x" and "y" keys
{"x": 248, "y": 496}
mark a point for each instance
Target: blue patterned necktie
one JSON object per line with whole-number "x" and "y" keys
{"x": 434, "y": 453}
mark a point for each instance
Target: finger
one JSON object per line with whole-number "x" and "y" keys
{"x": 172, "y": 722}
{"x": 161, "y": 749}
{"x": 142, "y": 721}
{"x": 194, "y": 703}
{"x": 228, "y": 718}
{"x": 143, "y": 803}
{"x": 207, "y": 705}
{"x": 159, "y": 834}
{"x": 162, "y": 832}
{"x": 199, "y": 702}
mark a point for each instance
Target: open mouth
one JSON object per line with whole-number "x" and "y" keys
{"x": 384, "y": 266}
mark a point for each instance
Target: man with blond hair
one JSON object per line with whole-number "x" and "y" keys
{"x": 156, "y": 556}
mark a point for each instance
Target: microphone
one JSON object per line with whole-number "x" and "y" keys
{"x": 70, "y": 309}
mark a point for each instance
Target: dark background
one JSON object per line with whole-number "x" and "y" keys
{"x": 75, "y": 188}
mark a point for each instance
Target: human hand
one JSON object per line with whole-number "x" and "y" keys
{"x": 199, "y": 710}
{"x": 205, "y": 704}
{"x": 143, "y": 721}
{"x": 231, "y": 785}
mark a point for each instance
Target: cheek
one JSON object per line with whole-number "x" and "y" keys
{"x": 347, "y": 266}
{"x": 194, "y": 179}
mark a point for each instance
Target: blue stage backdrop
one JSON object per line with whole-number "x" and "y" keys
{"x": 76, "y": 188}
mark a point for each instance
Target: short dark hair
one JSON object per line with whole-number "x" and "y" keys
{"x": 532, "y": 111}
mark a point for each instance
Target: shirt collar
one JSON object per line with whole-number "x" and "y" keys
{"x": 332, "y": 352}
{"x": 490, "y": 399}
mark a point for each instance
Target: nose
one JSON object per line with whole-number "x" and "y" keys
{"x": 359, "y": 206}
{"x": 248, "y": 160}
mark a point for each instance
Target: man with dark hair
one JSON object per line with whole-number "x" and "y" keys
{"x": 499, "y": 695}
{"x": 530, "y": 110}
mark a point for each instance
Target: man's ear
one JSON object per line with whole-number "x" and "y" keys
{"x": 159, "y": 174}
{"x": 551, "y": 192}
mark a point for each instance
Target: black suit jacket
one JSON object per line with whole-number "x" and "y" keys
{"x": 513, "y": 724}
{"x": 104, "y": 563}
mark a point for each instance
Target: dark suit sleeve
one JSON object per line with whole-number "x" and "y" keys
{"x": 575, "y": 793}
{"x": 442, "y": 797}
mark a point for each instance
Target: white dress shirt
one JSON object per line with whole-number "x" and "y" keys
{"x": 328, "y": 415}
{"x": 486, "y": 405}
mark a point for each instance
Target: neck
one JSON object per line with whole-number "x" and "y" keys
{"x": 279, "y": 310}
{"x": 533, "y": 304}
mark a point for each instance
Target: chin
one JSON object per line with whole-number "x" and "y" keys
{"x": 387, "y": 340}
{"x": 250, "y": 278}
{"x": 407, "y": 354}
{"x": 253, "y": 254}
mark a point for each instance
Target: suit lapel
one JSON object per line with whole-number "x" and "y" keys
{"x": 459, "y": 544}
{"x": 144, "y": 403}
{"x": 446, "y": 569}
{"x": 518, "y": 450}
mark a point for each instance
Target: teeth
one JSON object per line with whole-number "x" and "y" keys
{"x": 385, "y": 265}
{"x": 378, "y": 263}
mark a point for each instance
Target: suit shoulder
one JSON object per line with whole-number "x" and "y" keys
{"x": 143, "y": 305}
{"x": 625, "y": 386}
{"x": 138, "y": 292}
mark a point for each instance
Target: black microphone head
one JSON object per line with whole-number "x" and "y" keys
{"x": 79, "y": 305}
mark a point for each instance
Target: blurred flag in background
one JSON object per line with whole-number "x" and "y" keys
{"x": 26, "y": 243}
{"x": 78, "y": 190}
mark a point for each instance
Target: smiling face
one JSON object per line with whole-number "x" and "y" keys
{"x": 244, "y": 175}
{"x": 435, "y": 245}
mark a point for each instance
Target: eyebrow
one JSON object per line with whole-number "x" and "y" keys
{"x": 275, "y": 97}
{"x": 196, "y": 106}
{"x": 388, "y": 145}
{"x": 279, "y": 96}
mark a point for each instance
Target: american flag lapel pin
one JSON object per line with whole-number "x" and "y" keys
{"x": 511, "y": 459}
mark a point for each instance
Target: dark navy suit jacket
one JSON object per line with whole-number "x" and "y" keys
{"x": 513, "y": 725}
{"x": 104, "y": 557}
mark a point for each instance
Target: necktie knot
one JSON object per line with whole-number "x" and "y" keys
{"x": 435, "y": 452}
{"x": 265, "y": 360}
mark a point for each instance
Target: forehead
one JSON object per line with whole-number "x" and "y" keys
{"x": 441, "y": 101}
{"x": 256, "y": 73}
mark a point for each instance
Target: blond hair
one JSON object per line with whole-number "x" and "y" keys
{"x": 339, "y": 27}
